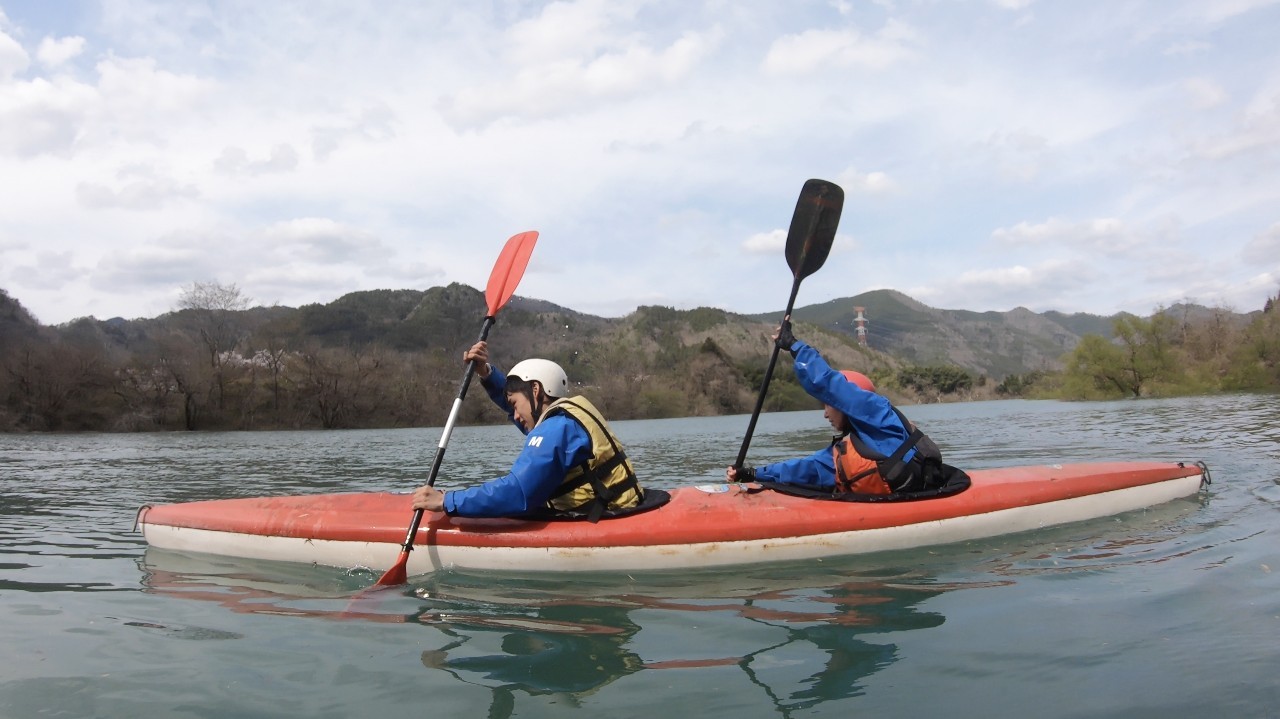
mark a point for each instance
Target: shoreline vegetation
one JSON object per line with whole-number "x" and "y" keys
{"x": 388, "y": 358}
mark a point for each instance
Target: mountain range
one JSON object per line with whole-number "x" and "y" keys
{"x": 900, "y": 330}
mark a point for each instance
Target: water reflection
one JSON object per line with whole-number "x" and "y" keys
{"x": 800, "y": 639}
{"x": 794, "y": 637}
{"x": 567, "y": 648}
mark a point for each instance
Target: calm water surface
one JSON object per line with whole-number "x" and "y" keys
{"x": 1169, "y": 612}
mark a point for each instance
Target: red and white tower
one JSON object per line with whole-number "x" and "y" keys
{"x": 860, "y": 323}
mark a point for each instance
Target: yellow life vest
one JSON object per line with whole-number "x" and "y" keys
{"x": 605, "y": 482}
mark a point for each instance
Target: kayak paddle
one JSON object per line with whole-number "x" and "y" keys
{"x": 813, "y": 229}
{"x": 502, "y": 284}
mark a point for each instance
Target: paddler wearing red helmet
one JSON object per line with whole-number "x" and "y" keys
{"x": 878, "y": 451}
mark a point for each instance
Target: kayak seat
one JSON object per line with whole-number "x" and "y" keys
{"x": 653, "y": 498}
{"x": 951, "y": 480}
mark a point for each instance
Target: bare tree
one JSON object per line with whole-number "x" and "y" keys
{"x": 57, "y": 385}
{"x": 186, "y": 374}
{"x": 213, "y": 296}
{"x": 214, "y": 306}
{"x": 341, "y": 387}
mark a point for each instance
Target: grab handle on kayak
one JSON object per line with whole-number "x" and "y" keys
{"x": 137, "y": 518}
{"x": 1205, "y": 478}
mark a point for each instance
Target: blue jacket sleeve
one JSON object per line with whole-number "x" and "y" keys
{"x": 552, "y": 448}
{"x": 816, "y": 470}
{"x": 871, "y": 414}
{"x": 495, "y": 385}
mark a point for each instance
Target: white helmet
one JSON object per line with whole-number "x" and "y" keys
{"x": 547, "y": 373}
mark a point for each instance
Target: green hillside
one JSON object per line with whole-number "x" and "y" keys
{"x": 392, "y": 358}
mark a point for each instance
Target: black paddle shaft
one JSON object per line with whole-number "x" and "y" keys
{"x": 768, "y": 375}
{"x": 813, "y": 230}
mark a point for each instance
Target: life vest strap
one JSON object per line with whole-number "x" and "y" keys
{"x": 603, "y": 495}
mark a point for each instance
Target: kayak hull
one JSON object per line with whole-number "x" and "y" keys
{"x": 715, "y": 526}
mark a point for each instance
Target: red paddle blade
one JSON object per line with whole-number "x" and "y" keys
{"x": 397, "y": 574}
{"x": 506, "y": 274}
{"x": 509, "y": 269}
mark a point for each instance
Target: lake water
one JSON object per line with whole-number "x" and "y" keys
{"x": 1168, "y": 612}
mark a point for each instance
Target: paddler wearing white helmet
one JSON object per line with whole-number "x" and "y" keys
{"x": 571, "y": 464}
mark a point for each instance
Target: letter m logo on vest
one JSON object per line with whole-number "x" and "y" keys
{"x": 535, "y": 441}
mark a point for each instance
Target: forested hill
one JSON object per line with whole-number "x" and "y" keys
{"x": 995, "y": 344}
{"x": 392, "y": 358}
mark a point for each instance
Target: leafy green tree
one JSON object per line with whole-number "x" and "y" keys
{"x": 1020, "y": 385}
{"x": 936, "y": 379}
{"x": 1143, "y": 360}
{"x": 1096, "y": 368}
{"x": 1255, "y": 359}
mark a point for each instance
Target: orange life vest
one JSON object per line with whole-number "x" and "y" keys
{"x": 855, "y": 473}
{"x": 862, "y": 470}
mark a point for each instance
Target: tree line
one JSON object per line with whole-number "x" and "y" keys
{"x": 1171, "y": 353}
{"x": 215, "y": 364}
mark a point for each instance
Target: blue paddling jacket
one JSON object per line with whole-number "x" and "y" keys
{"x": 871, "y": 416}
{"x": 555, "y": 445}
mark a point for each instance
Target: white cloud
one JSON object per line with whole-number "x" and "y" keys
{"x": 166, "y": 263}
{"x": 1263, "y": 249}
{"x": 766, "y": 243}
{"x": 1190, "y": 47}
{"x": 13, "y": 59}
{"x": 1002, "y": 279}
{"x": 42, "y": 116}
{"x": 1257, "y": 130}
{"x": 871, "y": 183}
{"x": 141, "y": 188}
{"x": 52, "y": 270}
{"x": 373, "y": 123}
{"x": 324, "y": 147}
{"x": 567, "y": 30}
{"x": 235, "y": 161}
{"x": 53, "y": 53}
{"x": 321, "y": 239}
{"x": 806, "y": 51}
{"x": 1205, "y": 93}
{"x": 325, "y": 283}
{"x": 562, "y": 83}
{"x": 1041, "y": 286}
{"x": 1058, "y": 231}
{"x": 1222, "y": 10}
{"x": 136, "y": 90}
{"x": 131, "y": 100}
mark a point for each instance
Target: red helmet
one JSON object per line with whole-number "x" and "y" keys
{"x": 859, "y": 379}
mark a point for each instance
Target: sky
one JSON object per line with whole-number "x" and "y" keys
{"x": 1080, "y": 156}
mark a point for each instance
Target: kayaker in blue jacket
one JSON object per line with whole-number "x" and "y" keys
{"x": 571, "y": 462}
{"x": 877, "y": 452}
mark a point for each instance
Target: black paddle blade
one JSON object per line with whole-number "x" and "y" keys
{"x": 813, "y": 226}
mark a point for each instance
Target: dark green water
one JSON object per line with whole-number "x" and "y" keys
{"x": 1169, "y": 612}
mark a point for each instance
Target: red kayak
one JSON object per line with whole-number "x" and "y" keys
{"x": 702, "y": 526}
